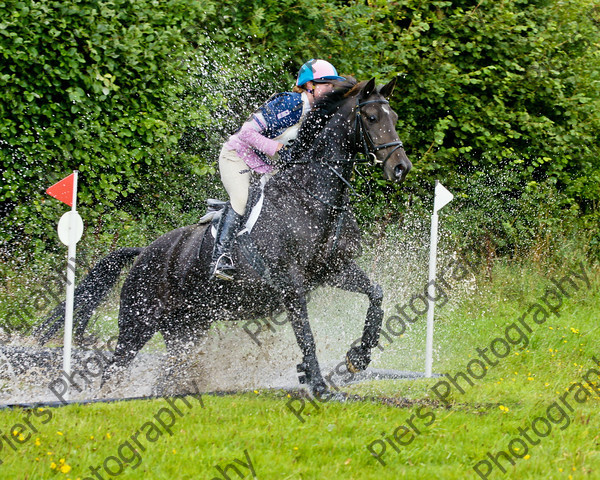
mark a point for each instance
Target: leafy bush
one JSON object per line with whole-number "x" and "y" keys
{"x": 90, "y": 85}
{"x": 140, "y": 95}
{"x": 504, "y": 90}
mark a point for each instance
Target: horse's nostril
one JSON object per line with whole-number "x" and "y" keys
{"x": 398, "y": 171}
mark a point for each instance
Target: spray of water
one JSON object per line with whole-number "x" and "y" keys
{"x": 217, "y": 98}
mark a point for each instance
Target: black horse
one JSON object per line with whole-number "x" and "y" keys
{"x": 305, "y": 236}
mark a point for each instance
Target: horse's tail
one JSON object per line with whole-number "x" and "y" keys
{"x": 88, "y": 294}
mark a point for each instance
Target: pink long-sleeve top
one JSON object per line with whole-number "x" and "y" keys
{"x": 249, "y": 138}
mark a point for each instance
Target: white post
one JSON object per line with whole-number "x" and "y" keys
{"x": 432, "y": 266}
{"x": 70, "y": 286}
{"x": 442, "y": 197}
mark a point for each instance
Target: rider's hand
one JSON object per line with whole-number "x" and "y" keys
{"x": 285, "y": 155}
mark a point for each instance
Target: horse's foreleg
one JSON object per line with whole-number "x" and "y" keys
{"x": 298, "y": 317}
{"x": 353, "y": 279}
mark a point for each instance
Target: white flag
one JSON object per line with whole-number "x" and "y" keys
{"x": 442, "y": 197}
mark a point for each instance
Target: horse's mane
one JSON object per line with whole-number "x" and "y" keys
{"x": 322, "y": 112}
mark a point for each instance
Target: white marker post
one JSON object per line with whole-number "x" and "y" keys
{"x": 442, "y": 197}
{"x": 70, "y": 229}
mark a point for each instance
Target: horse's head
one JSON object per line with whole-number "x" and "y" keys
{"x": 375, "y": 130}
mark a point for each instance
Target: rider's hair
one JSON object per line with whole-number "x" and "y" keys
{"x": 298, "y": 89}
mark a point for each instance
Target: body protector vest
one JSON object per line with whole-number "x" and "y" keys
{"x": 280, "y": 112}
{"x": 279, "y": 118}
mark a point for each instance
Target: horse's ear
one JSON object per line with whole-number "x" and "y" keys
{"x": 368, "y": 88}
{"x": 387, "y": 90}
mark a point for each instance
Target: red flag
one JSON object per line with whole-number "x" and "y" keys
{"x": 63, "y": 190}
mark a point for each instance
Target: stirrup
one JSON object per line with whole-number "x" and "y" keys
{"x": 222, "y": 272}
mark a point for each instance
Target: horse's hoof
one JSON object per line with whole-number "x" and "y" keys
{"x": 320, "y": 391}
{"x": 357, "y": 359}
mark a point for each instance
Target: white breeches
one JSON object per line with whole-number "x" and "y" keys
{"x": 235, "y": 182}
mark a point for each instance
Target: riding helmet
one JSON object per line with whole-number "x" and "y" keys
{"x": 317, "y": 70}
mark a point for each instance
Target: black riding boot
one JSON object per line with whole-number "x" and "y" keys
{"x": 222, "y": 265}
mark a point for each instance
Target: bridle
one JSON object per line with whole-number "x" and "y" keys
{"x": 367, "y": 147}
{"x": 363, "y": 137}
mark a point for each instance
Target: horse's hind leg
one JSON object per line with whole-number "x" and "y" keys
{"x": 135, "y": 331}
{"x": 353, "y": 279}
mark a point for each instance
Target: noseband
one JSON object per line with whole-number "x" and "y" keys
{"x": 363, "y": 137}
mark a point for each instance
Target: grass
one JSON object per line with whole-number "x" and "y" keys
{"x": 332, "y": 440}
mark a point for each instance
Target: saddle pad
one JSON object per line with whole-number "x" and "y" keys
{"x": 252, "y": 217}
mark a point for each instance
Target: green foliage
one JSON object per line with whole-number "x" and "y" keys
{"x": 490, "y": 82}
{"x": 493, "y": 215}
{"x": 488, "y": 89}
{"x": 91, "y": 86}
{"x": 139, "y": 96}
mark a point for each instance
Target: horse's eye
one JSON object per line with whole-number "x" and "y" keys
{"x": 372, "y": 118}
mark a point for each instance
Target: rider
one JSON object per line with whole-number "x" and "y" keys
{"x": 255, "y": 147}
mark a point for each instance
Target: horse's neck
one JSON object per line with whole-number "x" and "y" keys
{"x": 324, "y": 180}
{"x": 333, "y": 153}
{"x": 327, "y": 163}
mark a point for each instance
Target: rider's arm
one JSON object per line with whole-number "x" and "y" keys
{"x": 250, "y": 133}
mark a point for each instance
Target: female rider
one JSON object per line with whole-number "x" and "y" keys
{"x": 255, "y": 147}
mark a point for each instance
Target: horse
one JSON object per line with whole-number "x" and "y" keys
{"x": 305, "y": 236}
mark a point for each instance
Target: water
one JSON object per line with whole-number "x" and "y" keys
{"x": 229, "y": 358}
